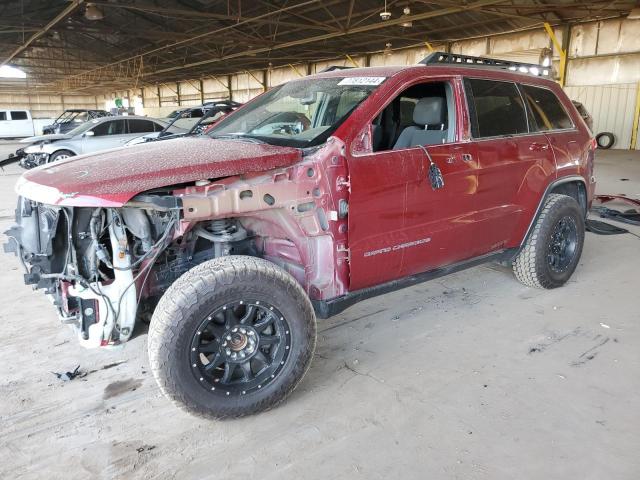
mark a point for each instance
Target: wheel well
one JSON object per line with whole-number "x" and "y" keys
{"x": 63, "y": 149}
{"x": 575, "y": 189}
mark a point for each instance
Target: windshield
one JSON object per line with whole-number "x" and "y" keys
{"x": 303, "y": 113}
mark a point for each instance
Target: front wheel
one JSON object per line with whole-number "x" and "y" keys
{"x": 552, "y": 251}
{"x": 231, "y": 337}
{"x": 60, "y": 155}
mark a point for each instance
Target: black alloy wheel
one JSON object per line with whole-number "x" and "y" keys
{"x": 562, "y": 244}
{"x": 240, "y": 347}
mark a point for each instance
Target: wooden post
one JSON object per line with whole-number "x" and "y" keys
{"x": 230, "y": 87}
{"x": 201, "y": 83}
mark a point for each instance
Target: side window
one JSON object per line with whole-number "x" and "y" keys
{"x": 495, "y": 108}
{"x": 141, "y": 126}
{"x": 420, "y": 115}
{"x": 3, "y": 116}
{"x": 548, "y": 112}
{"x": 19, "y": 115}
{"x": 114, "y": 127}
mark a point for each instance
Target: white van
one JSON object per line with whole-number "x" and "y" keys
{"x": 16, "y": 123}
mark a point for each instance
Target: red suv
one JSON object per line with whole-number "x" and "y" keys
{"x": 320, "y": 193}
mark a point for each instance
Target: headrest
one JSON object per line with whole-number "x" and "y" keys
{"x": 429, "y": 111}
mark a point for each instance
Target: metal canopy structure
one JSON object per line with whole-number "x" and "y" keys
{"x": 77, "y": 45}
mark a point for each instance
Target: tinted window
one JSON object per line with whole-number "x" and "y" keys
{"x": 141, "y": 126}
{"x": 18, "y": 115}
{"x": 495, "y": 108}
{"x": 3, "y": 115}
{"x": 115, "y": 127}
{"x": 548, "y": 112}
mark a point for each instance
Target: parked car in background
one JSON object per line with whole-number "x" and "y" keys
{"x": 317, "y": 194}
{"x": 98, "y": 134}
{"x": 71, "y": 118}
{"x": 584, "y": 113}
{"x": 18, "y": 123}
{"x": 205, "y": 115}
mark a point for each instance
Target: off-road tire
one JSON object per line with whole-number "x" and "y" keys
{"x": 204, "y": 288}
{"x": 531, "y": 265}
{"x": 60, "y": 153}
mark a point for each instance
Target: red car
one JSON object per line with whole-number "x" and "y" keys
{"x": 320, "y": 193}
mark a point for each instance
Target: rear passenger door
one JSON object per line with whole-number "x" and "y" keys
{"x": 514, "y": 161}
{"x": 138, "y": 128}
{"x": 550, "y": 117}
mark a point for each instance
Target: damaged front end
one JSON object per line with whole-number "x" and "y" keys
{"x": 91, "y": 262}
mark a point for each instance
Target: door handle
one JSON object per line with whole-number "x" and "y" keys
{"x": 467, "y": 157}
{"x": 537, "y": 147}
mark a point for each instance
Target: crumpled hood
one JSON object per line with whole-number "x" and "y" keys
{"x": 112, "y": 177}
{"x": 49, "y": 137}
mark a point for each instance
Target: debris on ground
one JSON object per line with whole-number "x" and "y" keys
{"x": 68, "y": 376}
{"x": 603, "y": 228}
{"x": 145, "y": 448}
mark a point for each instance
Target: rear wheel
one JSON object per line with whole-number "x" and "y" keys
{"x": 231, "y": 337}
{"x": 60, "y": 155}
{"x": 552, "y": 251}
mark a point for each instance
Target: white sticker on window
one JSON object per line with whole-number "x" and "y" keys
{"x": 362, "y": 81}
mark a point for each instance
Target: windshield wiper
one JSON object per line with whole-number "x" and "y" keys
{"x": 238, "y": 136}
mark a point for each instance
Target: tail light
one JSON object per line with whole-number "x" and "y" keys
{"x": 593, "y": 145}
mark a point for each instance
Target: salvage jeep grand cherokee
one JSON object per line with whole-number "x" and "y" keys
{"x": 319, "y": 193}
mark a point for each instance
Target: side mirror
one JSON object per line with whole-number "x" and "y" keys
{"x": 88, "y": 133}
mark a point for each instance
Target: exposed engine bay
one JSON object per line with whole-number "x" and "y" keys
{"x": 104, "y": 267}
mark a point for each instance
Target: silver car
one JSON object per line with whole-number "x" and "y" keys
{"x": 97, "y": 134}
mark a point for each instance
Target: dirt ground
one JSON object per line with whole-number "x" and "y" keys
{"x": 472, "y": 376}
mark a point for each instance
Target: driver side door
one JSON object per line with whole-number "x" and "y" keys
{"x": 399, "y": 224}
{"x": 108, "y": 134}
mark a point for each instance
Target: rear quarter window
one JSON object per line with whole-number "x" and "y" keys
{"x": 19, "y": 115}
{"x": 141, "y": 126}
{"x": 546, "y": 109}
{"x": 495, "y": 108}
{"x": 114, "y": 127}
{"x": 3, "y": 115}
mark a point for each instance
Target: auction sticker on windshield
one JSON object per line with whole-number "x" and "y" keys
{"x": 362, "y": 81}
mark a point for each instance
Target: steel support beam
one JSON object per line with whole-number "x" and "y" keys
{"x": 319, "y": 38}
{"x": 58, "y": 18}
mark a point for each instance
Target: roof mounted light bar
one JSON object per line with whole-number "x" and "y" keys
{"x": 439, "y": 58}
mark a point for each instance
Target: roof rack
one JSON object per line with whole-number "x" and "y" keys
{"x": 439, "y": 58}
{"x": 334, "y": 67}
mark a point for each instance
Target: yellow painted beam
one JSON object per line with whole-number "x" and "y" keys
{"x": 355, "y": 64}
{"x": 561, "y": 52}
{"x": 296, "y": 70}
{"x": 636, "y": 121}
{"x": 429, "y": 47}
